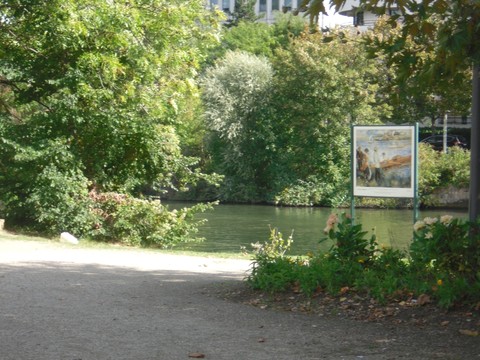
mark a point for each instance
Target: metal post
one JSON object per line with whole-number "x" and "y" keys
{"x": 473, "y": 206}
{"x": 415, "y": 175}
{"x": 445, "y": 119}
{"x": 352, "y": 175}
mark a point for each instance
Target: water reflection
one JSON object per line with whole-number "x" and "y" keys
{"x": 230, "y": 227}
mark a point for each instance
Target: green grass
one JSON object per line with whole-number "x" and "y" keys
{"x": 90, "y": 244}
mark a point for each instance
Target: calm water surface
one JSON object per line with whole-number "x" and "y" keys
{"x": 229, "y": 227}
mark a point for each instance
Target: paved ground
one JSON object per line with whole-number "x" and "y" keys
{"x": 70, "y": 303}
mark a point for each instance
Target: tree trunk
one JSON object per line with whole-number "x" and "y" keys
{"x": 473, "y": 207}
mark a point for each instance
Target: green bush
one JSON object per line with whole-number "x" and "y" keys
{"x": 59, "y": 202}
{"x": 447, "y": 251}
{"x": 272, "y": 270}
{"x": 447, "y": 246}
{"x": 438, "y": 170}
{"x": 45, "y": 190}
{"x": 140, "y": 222}
{"x": 443, "y": 262}
{"x": 313, "y": 191}
{"x": 349, "y": 242}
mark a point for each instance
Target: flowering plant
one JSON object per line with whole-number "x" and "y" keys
{"x": 349, "y": 242}
{"x": 447, "y": 246}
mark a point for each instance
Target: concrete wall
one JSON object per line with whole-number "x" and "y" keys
{"x": 451, "y": 197}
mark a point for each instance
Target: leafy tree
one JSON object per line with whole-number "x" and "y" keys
{"x": 287, "y": 27}
{"x": 236, "y": 93}
{"x": 415, "y": 98}
{"x": 91, "y": 90}
{"x": 321, "y": 89}
{"x": 244, "y": 12}
{"x": 259, "y": 38}
{"x": 253, "y": 37}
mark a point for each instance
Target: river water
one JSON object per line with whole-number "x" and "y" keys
{"x": 230, "y": 227}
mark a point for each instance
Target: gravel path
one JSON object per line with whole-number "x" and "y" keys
{"x": 70, "y": 303}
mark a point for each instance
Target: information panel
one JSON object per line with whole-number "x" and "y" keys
{"x": 383, "y": 161}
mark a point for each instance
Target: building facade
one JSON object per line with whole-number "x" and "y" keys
{"x": 361, "y": 18}
{"x": 264, "y": 8}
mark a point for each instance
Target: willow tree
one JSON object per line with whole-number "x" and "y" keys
{"x": 236, "y": 96}
{"x": 91, "y": 89}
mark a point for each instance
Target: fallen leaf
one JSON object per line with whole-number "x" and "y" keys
{"x": 445, "y": 323}
{"x": 468, "y": 332}
{"x": 196, "y": 355}
{"x": 384, "y": 341}
{"x": 423, "y": 299}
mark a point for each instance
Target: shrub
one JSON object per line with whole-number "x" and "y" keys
{"x": 59, "y": 202}
{"x": 272, "y": 270}
{"x": 444, "y": 262}
{"x": 447, "y": 246}
{"x": 313, "y": 191}
{"x": 349, "y": 242}
{"x": 438, "y": 169}
{"x": 45, "y": 190}
{"x": 142, "y": 222}
{"x": 445, "y": 255}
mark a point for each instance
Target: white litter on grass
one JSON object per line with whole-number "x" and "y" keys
{"x": 69, "y": 238}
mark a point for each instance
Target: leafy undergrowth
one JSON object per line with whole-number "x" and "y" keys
{"x": 435, "y": 283}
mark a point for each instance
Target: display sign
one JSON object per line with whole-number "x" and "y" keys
{"x": 384, "y": 161}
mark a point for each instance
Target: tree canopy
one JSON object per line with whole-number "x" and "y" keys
{"x": 279, "y": 127}
{"x": 93, "y": 89}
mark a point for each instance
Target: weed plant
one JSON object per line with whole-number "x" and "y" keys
{"x": 442, "y": 262}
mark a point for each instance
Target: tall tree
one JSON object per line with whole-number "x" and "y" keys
{"x": 236, "y": 94}
{"x": 244, "y": 12}
{"x": 94, "y": 87}
{"x": 322, "y": 88}
{"x": 415, "y": 97}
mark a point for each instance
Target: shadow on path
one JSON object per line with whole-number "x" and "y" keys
{"x": 65, "y": 311}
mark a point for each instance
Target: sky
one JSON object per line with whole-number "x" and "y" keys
{"x": 334, "y": 19}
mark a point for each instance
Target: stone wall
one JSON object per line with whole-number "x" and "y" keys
{"x": 451, "y": 197}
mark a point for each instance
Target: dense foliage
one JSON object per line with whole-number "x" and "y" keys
{"x": 447, "y": 28}
{"x": 90, "y": 94}
{"x": 282, "y": 135}
{"x": 442, "y": 264}
{"x": 322, "y": 88}
{"x": 439, "y": 170}
{"x": 421, "y": 95}
{"x": 235, "y": 92}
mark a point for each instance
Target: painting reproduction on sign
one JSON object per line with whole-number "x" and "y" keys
{"x": 383, "y": 161}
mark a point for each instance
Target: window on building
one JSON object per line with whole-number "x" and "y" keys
{"x": 287, "y": 6}
{"x": 263, "y": 6}
{"x": 213, "y": 3}
{"x": 358, "y": 20}
{"x": 226, "y": 5}
{"x": 275, "y": 5}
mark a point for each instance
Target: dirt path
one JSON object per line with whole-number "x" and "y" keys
{"x": 63, "y": 302}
